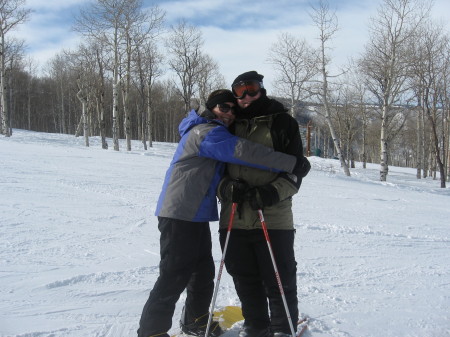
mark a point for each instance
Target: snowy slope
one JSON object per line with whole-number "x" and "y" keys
{"x": 79, "y": 248}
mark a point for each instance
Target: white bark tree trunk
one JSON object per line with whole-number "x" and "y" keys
{"x": 384, "y": 168}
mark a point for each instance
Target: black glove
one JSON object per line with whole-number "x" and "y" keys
{"x": 262, "y": 196}
{"x": 300, "y": 171}
{"x": 302, "y": 167}
{"x": 233, "y": 190}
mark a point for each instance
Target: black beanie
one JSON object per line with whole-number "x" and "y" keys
{"x": 248, "y": 76}
{"x": 219, "y": 97}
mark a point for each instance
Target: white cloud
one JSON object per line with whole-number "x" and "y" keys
{"x": 239, "y": 51}
{"x": 238, "y": 36}
{"x": 53, "y": 5}
{"x": 176, "y": 10}
{"x": 243, "y": 44}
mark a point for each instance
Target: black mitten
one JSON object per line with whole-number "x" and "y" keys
{"x": 232, "y": 190}
{"x": 262, "y": 196}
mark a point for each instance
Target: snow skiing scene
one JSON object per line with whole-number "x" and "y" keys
{"x": 192, "y": 168}
{"x": 80, "y": 243}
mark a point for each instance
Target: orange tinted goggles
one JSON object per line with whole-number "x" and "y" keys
{"x": 243, "y": 88}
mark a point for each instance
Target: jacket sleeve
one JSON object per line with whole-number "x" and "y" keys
{"x": 221, "y": 145}
{"x": 286, "y": 135}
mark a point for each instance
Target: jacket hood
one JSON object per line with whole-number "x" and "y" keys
{"x": 190, "y": 121}
{"x": 194, "y": 119}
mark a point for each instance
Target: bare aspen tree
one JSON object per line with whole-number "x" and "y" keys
{"x": 446, "y": 106}
{"x": 348, "y": 120}
{"x": 103, "y": 20}
{"x": 209, "y": 79}
{"x": 420, "y": 143}
{"x": 295, "y": 63}
{"x": 418, "y": 92}
{"x": 100, "y": 91}
{"x": 167, "y": 108}
{"x": 31, "y": 68}
{"x": 82, "y": 96}
{"x": 138, "y": 26}
{"x": 363, "y": 110}
{"x": 146, "y": 65}
{"x": 326, "y": 22}
{"x": 417, "y": 88}
{"x": 12, "y": 14}
{"x": 59, "y": 71}
{"x": 13, "y": 58}
{"x": 184, "y": 45}
{"x": 431, "y": 51}
{"x": 386, "y": 62}
{"x": 148, "y": 61}
{"x": 126, "y": 82}
{"x": 88, "y": 65}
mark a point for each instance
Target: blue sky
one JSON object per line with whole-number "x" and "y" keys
{"x": 237, "y": 34}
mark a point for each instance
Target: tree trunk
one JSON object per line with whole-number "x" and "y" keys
{"x": 4, "y": 115}
{"x": 79, "y": 127}
{"x": 84, "y": 119}
{"x": 437, "y": 153}
{"x": 447, "y": 128}
{"x": 101, "y": 102}
{"x": 419, "y": 148}
{"x": 384, "y": 167}
{"x": 126, "y": 117}
{"x": 115, "y": 124}
{"x": 85, "y": 124}
{"x": 327, "y": 24}
{"x": 336, "y": 140}
{"x": 63, "y": 111}
{"x": 149, "y": 116}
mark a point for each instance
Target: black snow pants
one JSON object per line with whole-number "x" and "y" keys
{"x": 186, "y": 263}
{"x": 248, "y": 261}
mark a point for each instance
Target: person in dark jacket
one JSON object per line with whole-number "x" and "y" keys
{"x": 186, "y": 205}
{"x": 265, "y": 121}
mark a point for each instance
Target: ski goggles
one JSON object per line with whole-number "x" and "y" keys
{"x": 223, "y": 107}
{"x": 251, "y": 88}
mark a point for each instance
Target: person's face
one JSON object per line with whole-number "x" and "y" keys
{"x": 225, "y": 113}
{"x": 247, "y": 100}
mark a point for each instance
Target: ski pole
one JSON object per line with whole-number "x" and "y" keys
{"x": 219, "y": 275}
{"x": 277, "y": 274}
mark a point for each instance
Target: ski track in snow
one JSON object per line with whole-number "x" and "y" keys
{"x": 80, "y": 246}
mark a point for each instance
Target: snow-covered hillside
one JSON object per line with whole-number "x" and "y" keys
{"x": 79, "y": 247}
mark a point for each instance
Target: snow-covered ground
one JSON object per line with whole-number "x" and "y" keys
{"x": 79, "y": 248}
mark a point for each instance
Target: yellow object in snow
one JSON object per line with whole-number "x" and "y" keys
{"x": 228, "y": 315}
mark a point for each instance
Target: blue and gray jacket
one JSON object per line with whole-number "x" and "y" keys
{"x": 189, "y": 189}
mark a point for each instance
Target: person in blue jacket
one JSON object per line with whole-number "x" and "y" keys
{"x": 186, "y": 205}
